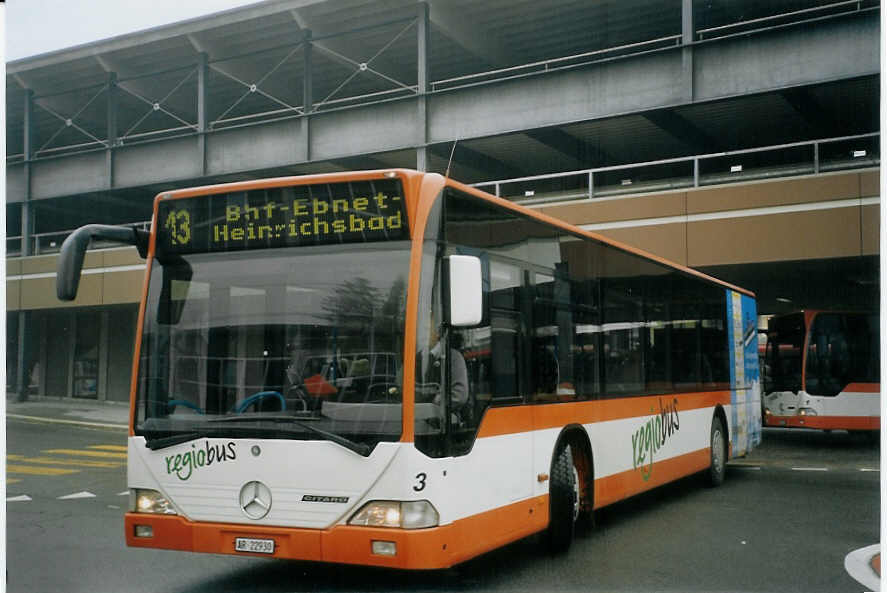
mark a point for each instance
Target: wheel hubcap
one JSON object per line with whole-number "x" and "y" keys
{"x": 717, "y": 451}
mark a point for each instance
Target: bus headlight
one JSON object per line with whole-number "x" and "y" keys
{"x": 418, "y": 514}
{"x": 149, "y": 501}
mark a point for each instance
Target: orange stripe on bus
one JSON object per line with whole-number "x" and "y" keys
{"x": 430, "y": 186}
{"x": 825, "y": 422}
{"x": 438, "y": 547}
{"x": 515, "y": 419}
{"x": 863, "y": 388}
{"x": 628, "y": 483}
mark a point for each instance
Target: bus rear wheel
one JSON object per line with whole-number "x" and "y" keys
{"x": 563, "y": 501}
{"x": 717, "y": 470}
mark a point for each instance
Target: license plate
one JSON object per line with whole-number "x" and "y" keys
{"x": 254, "y": 546}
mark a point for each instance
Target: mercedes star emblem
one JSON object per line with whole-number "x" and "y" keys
{"x": 255, "y": 500}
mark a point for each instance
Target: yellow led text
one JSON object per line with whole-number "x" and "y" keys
{"x": 307, "y": 217}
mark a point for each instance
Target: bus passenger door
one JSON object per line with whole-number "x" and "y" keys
{"x": 509, "y": 391}
{"x": 500, "y": 384}
{"x": 783, "y": 372}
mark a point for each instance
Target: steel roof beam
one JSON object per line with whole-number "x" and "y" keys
{"x": 474, "y": 159}
{"x": 467, "y": 35}
{"x": 367, "y": 162}
{"x": 570, "y": 146}
{"x": 683, "y": 130}
{"x": 161, "y": 33}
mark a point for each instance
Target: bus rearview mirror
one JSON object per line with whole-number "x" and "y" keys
{"x": 73, "y": 251}
{"x": 466, "y": 290}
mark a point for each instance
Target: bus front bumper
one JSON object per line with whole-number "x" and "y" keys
{"x": 412, "y": 549}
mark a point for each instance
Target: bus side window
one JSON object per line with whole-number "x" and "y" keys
{"x": 506, "y": 361}
{"x": 548, "y": 315}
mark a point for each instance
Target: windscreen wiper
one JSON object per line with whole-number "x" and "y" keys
{"x": 176, "y": 439}
{"x": 360, "y": 448}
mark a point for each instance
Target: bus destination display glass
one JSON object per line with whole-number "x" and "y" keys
{"x": 292, "y": 216}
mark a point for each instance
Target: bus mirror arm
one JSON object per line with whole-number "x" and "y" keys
{"x": 74, "y": 249}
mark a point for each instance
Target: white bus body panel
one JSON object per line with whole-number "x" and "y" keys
{"x": 845, "y": 404}
{"x": 293, "y": 470}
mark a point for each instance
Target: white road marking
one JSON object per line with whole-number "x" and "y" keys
{"x": 858, "y": 565}
{"x": 868, "y": 469}
{"x": 22, "y": 498}
{"x": 76, "y": 495}
{"x": 810, "y": 469}
{"x": 124, "y": 493}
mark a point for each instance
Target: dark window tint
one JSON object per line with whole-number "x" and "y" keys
{"x": 782, "y": 363}
{"x": 842, "y": 349}
{"x": 595, "y": 320}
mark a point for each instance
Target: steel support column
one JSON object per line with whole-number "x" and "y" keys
{"x": 423, "y": 32}
{"x": 21, "y": 382}
{"x": 28, "y": 141}
{"x": 687, "y": 34}
{"x": 112, "y": 127}
{"x": 307, "y": 91}
{"x": 202, "y": 111}
{"x": 104, "y": 356}
{"x": 24, "y": 365}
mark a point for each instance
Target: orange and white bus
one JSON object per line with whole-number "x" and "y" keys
{"x": 391, "y": 368}
{"x": 821, "y": 370}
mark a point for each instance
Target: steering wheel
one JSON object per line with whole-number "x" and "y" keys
{"x": 173, "y": 403}
{"x": 256, "y": 398}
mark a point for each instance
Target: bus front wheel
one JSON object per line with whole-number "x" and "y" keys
{"x": 718, "y": 452}
{"x": 563, "y": 501}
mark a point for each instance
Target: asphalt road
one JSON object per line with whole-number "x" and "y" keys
{"x": 783, "y": 521}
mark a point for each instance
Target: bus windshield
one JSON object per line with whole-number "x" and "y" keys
{"x": 295, "y": 343}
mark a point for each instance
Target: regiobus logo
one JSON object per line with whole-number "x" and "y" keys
{"x": 653, "y": 435}
{"x": 184, "y": 464}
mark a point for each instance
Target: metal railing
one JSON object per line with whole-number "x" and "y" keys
{"x": 768, "y": 162}
{"x": 784, "y": 160}
{"x": 795, "y": 17}
{"x": 49, "y": 243}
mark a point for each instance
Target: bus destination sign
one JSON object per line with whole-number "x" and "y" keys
{"x": 292, "y": 216}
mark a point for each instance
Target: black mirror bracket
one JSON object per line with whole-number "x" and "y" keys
{"x": 74, "y": 248}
